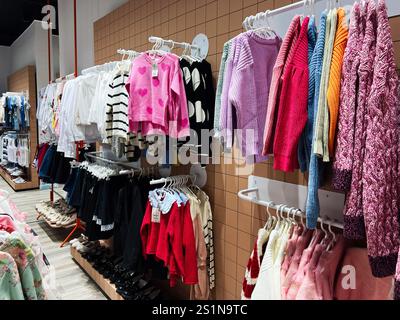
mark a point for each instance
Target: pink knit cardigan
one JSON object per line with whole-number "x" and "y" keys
{"x": 381, "y": 175}
{"x": 343, "y": 162}
{"x": 353, "y": 214}
{"x": 276, "y": 82}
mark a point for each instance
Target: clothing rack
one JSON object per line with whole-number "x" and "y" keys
{"x": 260, "y": 187}
{"x": 185, "y": 178}
{"x": 265, "y": 15}
{"x": 67, "y": 77}
{"x": 298, "y": 213}
{"x": 104, "y": 67}
{"x": 127, "y": 52}
{"x": 173, "y": 44}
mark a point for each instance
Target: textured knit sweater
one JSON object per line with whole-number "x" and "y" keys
{"x": 249, "y": 91}
{"x": 322, "y": 121}
{"x": 343, "y": 160}
{"x": 381, "y": 177}
{"x": 292, "y": 113}
{"x": 220, "y": 84}
{"x": 312, "y": 207}
{"x": 276, "y": 84}
{"x": 353, "y": 214}
{"x": 306, "y": 138}
{"x": 333, "y": 94}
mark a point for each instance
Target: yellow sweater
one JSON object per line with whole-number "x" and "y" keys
{"x": 333, "y": 94}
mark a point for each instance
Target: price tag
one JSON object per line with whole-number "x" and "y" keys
{"x": 156, "y": 215}
{"x": 155, "y": 70}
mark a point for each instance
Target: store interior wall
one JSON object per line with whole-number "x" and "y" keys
{"x": 5, "y": 57}
{"x": 88, "y": 11}
{"x": 236, "y": 222}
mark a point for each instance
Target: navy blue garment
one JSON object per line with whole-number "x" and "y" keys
{"x": 48, "y": 160}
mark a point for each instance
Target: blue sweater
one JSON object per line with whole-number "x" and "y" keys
{"x": 312, "y": 207}
{"x": 306, "y": 137}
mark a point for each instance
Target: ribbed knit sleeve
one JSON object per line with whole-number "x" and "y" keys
{"x": 322, "y": 122}
{"x": 333, "y": 94}
{"x": 380, "y": 175}
{"x": 343, "y": 160}
{"x": 220, "y": 85}
{"x": 306, "y": 138}
{"x": 225, "y": 119}
{"x": 292, "y": 113}
{"x": 312, "y": 206}
{"x": 276, "y": 82}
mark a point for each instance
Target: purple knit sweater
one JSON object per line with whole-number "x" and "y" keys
{"x": 353, "y": 214}
{"x": 248, "y": 94}
{"x": 381, "y": 175}
{"x": 343, "y": 162}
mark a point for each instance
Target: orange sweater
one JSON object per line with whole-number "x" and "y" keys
{"x": 333, "y": 94}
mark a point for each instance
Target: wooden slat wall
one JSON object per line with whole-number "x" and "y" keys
{"x": 236, "y": 222}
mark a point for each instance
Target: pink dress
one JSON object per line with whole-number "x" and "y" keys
{"x": 290, "y": 250}
{"x": 302, "y": 269}
{"x": 308, "y": 288}
{"x": 301, "y": 244}
{"x": 327, "y": 268}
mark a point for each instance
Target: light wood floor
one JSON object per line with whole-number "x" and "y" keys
{"x": 72, "y": 282}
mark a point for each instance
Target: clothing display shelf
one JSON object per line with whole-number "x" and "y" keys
{"x": 23, "y": 83}
{"x": 273, "y": 194}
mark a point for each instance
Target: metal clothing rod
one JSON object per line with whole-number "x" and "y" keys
{"x": 99, "y": 68}
{"x": 172, "y": 44}
{"x": 172, "y": 179}
{"x": 244, "y": 196}
{"x": 127, "y": 52}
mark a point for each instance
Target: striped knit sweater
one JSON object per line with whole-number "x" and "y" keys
{"x": 333, "y": 94}
{"x": 253, "y": 265}
{"x": 306, "y": 138}
{"x": 343, "y": 160}
{"x": 312, "y": 207}
{"x": 276, "y": 82}
{"x": 381, "y": 176}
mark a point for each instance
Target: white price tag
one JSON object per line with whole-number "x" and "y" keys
{"x": 156, "y": 215}
{"x": 155, "y": 70}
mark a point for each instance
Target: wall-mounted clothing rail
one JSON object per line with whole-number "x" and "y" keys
{"x": 176, "y": 179}
{"x": 104, "y": 67}
{"x": 173, "y": 44}
{"x": 244, "y": 195}
{"x": 130, "y": 53}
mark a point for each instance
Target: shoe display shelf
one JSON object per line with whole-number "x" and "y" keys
{"x": 40, "y": 210}
{"x": 105, "y": 285}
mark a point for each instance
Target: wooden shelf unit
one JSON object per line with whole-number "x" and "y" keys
{"x": 105, "y": 285}
{"x": 24, "y": 80}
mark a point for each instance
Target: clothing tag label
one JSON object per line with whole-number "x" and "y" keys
{"x": 155, "y": 70}
{"x": 156, "y": 215}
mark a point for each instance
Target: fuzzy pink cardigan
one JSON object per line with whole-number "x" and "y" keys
{"x": 343, "y": 159}
{"x": 381, "y": 175}
{"x": 353, "y": 214}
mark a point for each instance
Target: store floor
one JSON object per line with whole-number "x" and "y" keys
{"x": 72, "y": 282}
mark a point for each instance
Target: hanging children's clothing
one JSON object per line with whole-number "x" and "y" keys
{"x": 246, "y": 87}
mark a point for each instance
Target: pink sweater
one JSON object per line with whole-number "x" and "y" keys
{"x": 292, "y": 114}
{"x": 381, "y": 178}
{"x": 276, "y": 82}
{"x": 157, "y": 102}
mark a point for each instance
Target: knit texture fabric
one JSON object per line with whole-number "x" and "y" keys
{"x": 381, "y": 165}
{"x": 333, "y": 94}
{"x": 220, "y": 85}
{"x": 354, "y": 218}
{"x": 322, "y": 121}
{"x": 292, "y": 113}
{"x": 312, "y": 207}
{"x": 343, "y": 159}
{"x": 276, "y": 82}
{"x": 306, "y": 138}
{"x": 249, "y": 91}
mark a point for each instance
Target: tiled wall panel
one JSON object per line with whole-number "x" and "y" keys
{"x": 129, "y": 27}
